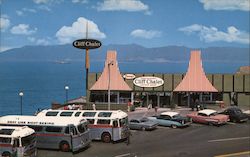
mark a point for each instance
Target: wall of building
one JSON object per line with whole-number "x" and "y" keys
{"x": 225, "y": 83}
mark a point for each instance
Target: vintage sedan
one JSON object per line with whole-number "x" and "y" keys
{"x": 235, "y": 114}
{"x": 171, "y": 119}
{"x": 142, "y": 124}
{"x": 208, "y": 116}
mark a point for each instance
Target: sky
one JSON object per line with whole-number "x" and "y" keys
{"x": 150, "y": 23}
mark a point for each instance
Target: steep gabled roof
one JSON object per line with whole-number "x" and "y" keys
{"x": 195, "y": 79}
{"x": 117, "y": 82}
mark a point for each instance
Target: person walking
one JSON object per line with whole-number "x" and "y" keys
{"x": 128, "y": 136}
{"x": 93, "y": 106}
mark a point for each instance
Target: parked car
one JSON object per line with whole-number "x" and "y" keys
{"x": 247, "y": 112}
{"x": 142, "y": 124}
{"x": 171, "y": 119}
{"x": 235, "y": 114}
{"x": 208, "y": 116}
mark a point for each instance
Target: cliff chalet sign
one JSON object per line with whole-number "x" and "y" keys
{"x": 87, "y": 44}
{"x": 148, "y": 82}
{"x": 129, "y": 76}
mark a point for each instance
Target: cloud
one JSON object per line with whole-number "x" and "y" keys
{"x": 19, "y": 13}
{"x": 80, "y": 1}
{"x": 22, "y": 29}
{"x": 123, "y": 5}
{"x": 44, "y": 7}
{"x": 243, "y": 5}
{"x": 41, "y": 41}
{"x": 212, "y": 34}
{"x": 4, "y": 23}
{"x": 47, "y": 1}
{"x": 67, "y": 34}
{"x": 140, "y": 33}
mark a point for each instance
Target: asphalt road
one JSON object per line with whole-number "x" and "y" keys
{"x": 195, "y": 141}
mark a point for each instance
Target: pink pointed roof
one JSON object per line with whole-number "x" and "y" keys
{"x": 195, "y": 79}
{"x": 117, "y": 83}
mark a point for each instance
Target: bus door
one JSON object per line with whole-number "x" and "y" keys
{"x": 116, "y": 130}
{"x": 75, "y": 140}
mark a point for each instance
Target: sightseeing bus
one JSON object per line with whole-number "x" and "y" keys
{"x": 104, "y": 125}
{"x": 64, "y": 133}
{"x": 17, "y": 141}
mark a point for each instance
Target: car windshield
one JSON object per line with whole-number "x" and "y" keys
{"x": 238, "y": 111}
{"x": 144, "y": 120}
{"x": 213, "y": 114}
{"x": 177, "y": 116}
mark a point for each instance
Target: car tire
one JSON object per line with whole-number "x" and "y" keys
{"x": 173, "y": 126}
{"x": 6, "y": 154}
{"x": 234, "y": 120}
{"x": 210, "y": 124}
{"x": 64, "y": 146}
{"x": 106, "y": 138}
{"x": 143, "y": 128}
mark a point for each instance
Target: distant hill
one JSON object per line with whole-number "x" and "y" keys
{"x": 128, "y": 53}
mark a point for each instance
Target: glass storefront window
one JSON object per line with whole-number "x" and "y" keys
{"x": 115, "y": 97}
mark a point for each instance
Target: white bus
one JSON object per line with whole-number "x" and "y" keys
{"x": 104, "y": 125}
{"x": 17, "y": 141}
{"x": 64, "y": 133}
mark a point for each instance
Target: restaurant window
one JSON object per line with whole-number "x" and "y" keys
{"x": 102, "y": 97}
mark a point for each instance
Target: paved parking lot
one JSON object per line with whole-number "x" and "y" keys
{"x": 195, "y": 141}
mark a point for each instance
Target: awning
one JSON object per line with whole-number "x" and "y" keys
{"x": 117, "y": 82}
{"x": 195, "y": 79}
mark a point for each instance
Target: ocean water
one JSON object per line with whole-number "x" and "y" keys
{"x": 43, "y": 82}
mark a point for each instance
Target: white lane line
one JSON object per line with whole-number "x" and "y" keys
{"x": 123, "y": 155}
{"x": 229, "y": 139}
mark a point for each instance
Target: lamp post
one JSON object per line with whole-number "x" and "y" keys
{"x": 110, "y": 63}
{"x": 21, "y": 102}
{"x": 66, "y": 93}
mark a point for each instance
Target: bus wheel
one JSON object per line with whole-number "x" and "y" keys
{"x": 6, "y": 154}
{"x": 64, "y": 146}
{"x": 106, "y": 137}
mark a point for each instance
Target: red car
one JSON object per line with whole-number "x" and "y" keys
{"x": 208, "y": 116}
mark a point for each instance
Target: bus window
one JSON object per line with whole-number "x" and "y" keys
{"x": 5, "y": 140}
{"x": 123, "y": 121}
{"x": 36, "y": 128}
{"x": 66, "y": 114}
{"x": 89, "y": 114}
{"x": 81, "y": 128}
{"x": 115, "y": 123}
{"x": 103, "y": 121}
{"x": 16, "y": 143}
{"x": 27, "y": 140}
{"x": 6, "y": 131}
{"x": 91, "y": 121}
{"x": 51, "y": 113}
{"x": 73, "y": 130}
{"x": 53, "y": 129}
{"x": 66, "y": 130}
{"x": 77, "y": 114}
{"x": 104, "y": 114}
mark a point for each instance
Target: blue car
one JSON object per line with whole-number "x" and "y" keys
{"x": 142, "y": 124}
{"x": 171, "y": 119}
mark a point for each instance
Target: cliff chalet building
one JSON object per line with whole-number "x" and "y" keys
{"x": 165, "y": 90}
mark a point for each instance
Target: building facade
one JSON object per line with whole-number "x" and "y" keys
{"x": 165, "y": 90}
